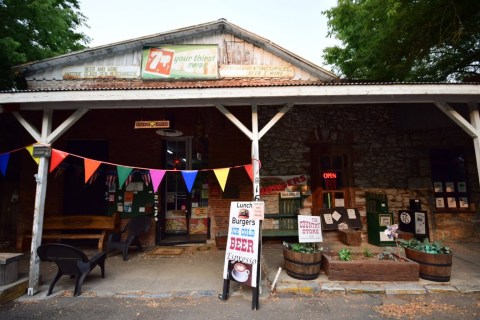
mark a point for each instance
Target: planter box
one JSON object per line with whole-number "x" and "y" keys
{"x": 433, "y": 267}
{"x": 369, "y": 270}
{"x": 303, "y": 266}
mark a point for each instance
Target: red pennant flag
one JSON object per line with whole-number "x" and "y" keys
{"x": 57, "y": 158}
{"x": 249, "y": 169}
{"x": 90, "y": 167}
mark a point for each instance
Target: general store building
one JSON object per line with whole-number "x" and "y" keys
{"x": 217, "y": 96}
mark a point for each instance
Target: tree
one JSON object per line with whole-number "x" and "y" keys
{"x": 405, "y": 40}
{"x": 32, "y": 30}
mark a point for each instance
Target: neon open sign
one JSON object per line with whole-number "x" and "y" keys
{"x": 329, "y": 175}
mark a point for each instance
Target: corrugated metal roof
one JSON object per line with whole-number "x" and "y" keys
{"x": 226, "y": 84}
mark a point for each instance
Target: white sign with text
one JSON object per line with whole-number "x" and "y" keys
{"x": 309, "y": 229}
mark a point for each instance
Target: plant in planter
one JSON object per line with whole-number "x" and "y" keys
{"x": 302, "y": 260}
{"x": 434, "y": 258}
{"x": 387, "y": 266}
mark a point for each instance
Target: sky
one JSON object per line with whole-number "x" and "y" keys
{"x": 296, "y": 25}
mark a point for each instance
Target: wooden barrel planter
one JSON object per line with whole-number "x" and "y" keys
{"x": 303, "y": 266}
{"x": 433, "y": 267}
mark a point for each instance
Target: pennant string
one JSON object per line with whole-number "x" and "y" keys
{"x": 116, "y": 164}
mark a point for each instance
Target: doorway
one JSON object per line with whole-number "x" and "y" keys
{"x": 182, "y": 218}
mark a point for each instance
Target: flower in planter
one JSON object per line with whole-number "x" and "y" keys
{"x": 392, "y": 233}
{"x": 303, "y": 247}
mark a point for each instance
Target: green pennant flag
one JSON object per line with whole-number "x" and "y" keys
{"x": 123, "y": 173}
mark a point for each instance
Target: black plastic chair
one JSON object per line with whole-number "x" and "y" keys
{"x": 71, "y": 261}
{"x": 133, "y": 230}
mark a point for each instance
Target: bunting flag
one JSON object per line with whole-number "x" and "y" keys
{"x": 90, "y": 167}
{"x": 30, "y": 150}
{"x": 4, "y": 163}
{"x": 222, "y": 175}
{"x": 189, "y": 177}
{"x": 57, "y": 157}
{"x": 154, "y": 176}
{"x": 123, "y": 173}
{"x": 157, "y": 177}
{"x": 249, "y": 169}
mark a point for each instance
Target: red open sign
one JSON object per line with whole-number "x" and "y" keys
{"x": 329, "y": 175}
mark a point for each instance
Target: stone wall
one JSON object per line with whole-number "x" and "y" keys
{"x": 386, "y": 158}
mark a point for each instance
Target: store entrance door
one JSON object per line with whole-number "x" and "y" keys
{"x": 177, "y": 224}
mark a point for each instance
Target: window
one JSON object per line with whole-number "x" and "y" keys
{"x": 331, "y": 177}
{"x": 449, "y": 179}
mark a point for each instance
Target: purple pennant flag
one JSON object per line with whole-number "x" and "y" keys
{"x": 189, "y": 177}
{"x": 157, "y": 177}
{"x": 4, "y": 162}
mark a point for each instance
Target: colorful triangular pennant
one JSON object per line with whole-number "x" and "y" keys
{"x": 222, "y": 175}
{"x": 90, "y": 167}
{"x": 4, "y": 163}
{"x": 57, "y": 157}
{"x": 189, "y": 177}
{"x": 123, "y": 173}
{"x": 157, "y": 176}
{"x": 30, "y": 150}
{"x": 249, "y": 169}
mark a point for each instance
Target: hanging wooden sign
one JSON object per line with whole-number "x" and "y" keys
{"x": 152, "y": 124}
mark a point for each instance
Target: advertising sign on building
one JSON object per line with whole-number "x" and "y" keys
{"x": 309, "y": 229}
{"x": 256, "y": 71}
{"x": 180, "y": 61}
{"x": 241, "y": 256}
{"x": 93, "y": 72}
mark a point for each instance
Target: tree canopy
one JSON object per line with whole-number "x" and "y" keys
{"x": 405, "y": 40}
{"x": 32, "y": 30}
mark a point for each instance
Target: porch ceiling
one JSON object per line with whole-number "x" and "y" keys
{"x": 328, "y": 94}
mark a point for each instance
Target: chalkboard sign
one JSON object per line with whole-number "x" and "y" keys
{"x": 332, "y": 217}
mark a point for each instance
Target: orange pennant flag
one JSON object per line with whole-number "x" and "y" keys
{"x": 222, "y": 175}
{"x": 249, "y": 169}
{"x": 90, "y": 167}
{"x": 57, "y": 158}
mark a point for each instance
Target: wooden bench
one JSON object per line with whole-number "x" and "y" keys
{"x": 80, "y": 227}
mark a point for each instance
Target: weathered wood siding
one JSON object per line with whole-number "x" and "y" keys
{"x": 232, "y": 50}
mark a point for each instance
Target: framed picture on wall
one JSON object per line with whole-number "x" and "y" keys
{"x": 440, "y": 202}
{"x": 384, "y": 220}
{"x": 451, "y": 202}
{"x": 449, "y": 186}
{"x": 437, "y": 186}
{"x": 462, "y": 186}
{"x": 463, "y": 202}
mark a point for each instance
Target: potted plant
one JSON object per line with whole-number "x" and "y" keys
{"x": 302, "y": 260}
{"x": 434, "y": 258}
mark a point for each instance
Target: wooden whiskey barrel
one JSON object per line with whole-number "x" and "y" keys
{"x": 433, "y": 267}
{"x": 303, "y": 266}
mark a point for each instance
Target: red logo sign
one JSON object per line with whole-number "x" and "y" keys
{"x": 159, "y": 61}
{"x": 329, "y": 175}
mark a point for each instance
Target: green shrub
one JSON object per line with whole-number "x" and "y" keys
{"x": 425, "y": 246}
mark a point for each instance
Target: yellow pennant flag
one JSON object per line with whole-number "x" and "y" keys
{"x": 30, "y": 150}
{"x": 222, "y": 175}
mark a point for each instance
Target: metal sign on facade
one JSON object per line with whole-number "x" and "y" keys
{"x": 152, "y": 124}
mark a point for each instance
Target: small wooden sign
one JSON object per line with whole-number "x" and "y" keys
{"x": 152, "y": 124}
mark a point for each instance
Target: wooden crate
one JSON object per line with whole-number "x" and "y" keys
{"x": 351, "y": 237}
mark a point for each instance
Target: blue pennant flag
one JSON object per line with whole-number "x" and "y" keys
{"x": 189, "y": 177}
{"x": 4, "y": 162}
